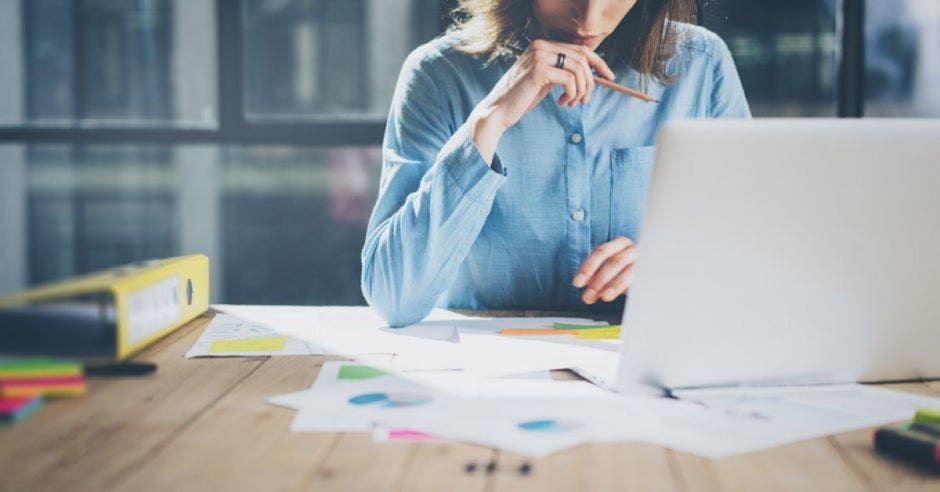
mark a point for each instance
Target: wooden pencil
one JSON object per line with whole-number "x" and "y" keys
{"x": 626, "y": 90}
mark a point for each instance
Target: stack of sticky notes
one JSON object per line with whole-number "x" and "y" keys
{"x": 582, "y": 332}
{"x": 917, "y": 441}
{"x": 14, "y": 409}
{"x": 24, "y": 383}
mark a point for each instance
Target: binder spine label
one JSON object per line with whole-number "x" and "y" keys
{"x": 153, "y": 308}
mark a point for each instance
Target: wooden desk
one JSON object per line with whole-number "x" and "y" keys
{"x": 203, "y": 424}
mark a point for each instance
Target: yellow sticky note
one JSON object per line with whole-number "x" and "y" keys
{"x": 599, "y": 334}
{"x": 266, "y": 344}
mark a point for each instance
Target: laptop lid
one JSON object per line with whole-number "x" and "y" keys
{"x": 788, "y": 252}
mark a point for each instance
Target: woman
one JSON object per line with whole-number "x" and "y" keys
{"x": 511, "y": 181}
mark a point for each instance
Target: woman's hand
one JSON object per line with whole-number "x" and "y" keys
{"x": 607, "y": 272}
{"x": 527, "y": 82}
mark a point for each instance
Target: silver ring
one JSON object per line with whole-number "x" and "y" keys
{"x": 561, "y": 61}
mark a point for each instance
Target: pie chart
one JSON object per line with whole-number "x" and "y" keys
{"x": 548, "y": 425}
{"x": 396, "y": 399}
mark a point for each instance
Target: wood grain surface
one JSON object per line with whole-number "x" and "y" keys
{"x": 203, "y": 424}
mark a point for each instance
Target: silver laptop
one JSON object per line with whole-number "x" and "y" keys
{"x": 788, "y": 252}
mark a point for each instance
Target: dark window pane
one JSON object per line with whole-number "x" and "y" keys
{"x": 902, "y": 58}
{"x": 281, "y": 224}
{"x": 309, "y": 59}
{"x": 123, "y": 62}
{"x": 785, "y": 52}
{"x": 293, "y": 222}
{"x": 92, "y": 207}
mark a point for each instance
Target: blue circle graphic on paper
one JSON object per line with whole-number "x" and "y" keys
{"x": 391, "y": 399}
{"x": 547, "y": 425}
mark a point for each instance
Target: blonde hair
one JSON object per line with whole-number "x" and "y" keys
{"x": 645, "y": 38}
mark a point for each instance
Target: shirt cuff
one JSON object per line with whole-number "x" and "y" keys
{"x": 461, "y": 159}
{"x": 497, "y": 165}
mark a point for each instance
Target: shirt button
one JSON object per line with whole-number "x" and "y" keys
{"x": 578, "y": 215}
{"x": 575, "y": 138}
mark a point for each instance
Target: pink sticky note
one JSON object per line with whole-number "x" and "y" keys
{"x": 409, "y": 435}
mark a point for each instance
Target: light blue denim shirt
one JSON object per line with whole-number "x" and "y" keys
{"x": 450, "y": 231}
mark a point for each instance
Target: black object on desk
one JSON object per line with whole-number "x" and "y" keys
{"x": 909, "y": 445}
{"x": 121, "y": 369}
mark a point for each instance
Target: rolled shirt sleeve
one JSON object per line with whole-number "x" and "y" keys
{"x": 435, "y": 194}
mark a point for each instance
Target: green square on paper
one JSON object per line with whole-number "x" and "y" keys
{"x": 359, "y": 372}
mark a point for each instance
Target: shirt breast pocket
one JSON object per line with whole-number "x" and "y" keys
{"x": 630, "y": 171}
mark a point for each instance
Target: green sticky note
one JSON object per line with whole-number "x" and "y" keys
{"x": 266, "y": 344}
{"x": 359, "y": 372}
{"x": 38, "y": 367}
{"x": 927, "y": 416}
{"x": 568, "y": 326}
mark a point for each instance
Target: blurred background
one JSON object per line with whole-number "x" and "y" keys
{"x": 249, "y": 129}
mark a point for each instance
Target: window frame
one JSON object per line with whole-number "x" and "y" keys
{"x": 234, "y": 127}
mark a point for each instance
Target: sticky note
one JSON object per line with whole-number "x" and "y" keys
{"x": 265, "y": 344}
{"x": 359, "y": 372}
{"x": 569, "y": 326}
{"x": 46, "y": 386}
{"x": 927, "y": 416}
{"x": 594, "y": 333}
{"x": 612, "y": 333}
{"x": 16, "y": 409}
{"x": 34, "y": 367}
{"x": 409, "y": 435}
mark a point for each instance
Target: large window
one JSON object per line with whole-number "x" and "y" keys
{"x": 902, "y": 58}
{"x": 247, "y": 130}
{"x": 833, "y": 57}
{"x": 110, "y": 62}
{"x": 282, "y": 224}
{"x": 786, "y": 52}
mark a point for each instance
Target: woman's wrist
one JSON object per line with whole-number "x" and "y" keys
{"x": 486, "y": 128}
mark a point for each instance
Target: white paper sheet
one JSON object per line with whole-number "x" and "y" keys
{"x": 350, "y": 331}
{"x": 537, "y": 417}
{"x": 493, "y": 355}
{"x": 529, "y": 416}
{"x": 450, "y": 404}
{"x": 235, "y": 331}
{"x": 533, "y": 426}
{"x": 455, "y": 383}
{"x": 443, "y": 341}
{"x": 740, "y": 420}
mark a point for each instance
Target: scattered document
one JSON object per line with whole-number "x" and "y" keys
{"x": 228, "y": 335}
{"x": 485, "y": 380}
{"x": 540, "y": 424}
{"x": 530, "y": 416}
{"x": 541, "y": 416}
{"x": 740, "y": 420}
{"x": 443, "y": 341}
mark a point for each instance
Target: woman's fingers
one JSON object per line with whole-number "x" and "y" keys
{"x": 597, "y": 258}
{"x": 604, "y": 282}
{"x": 589, "y": 61}
{"x": 596, "y": 62}
{"x": 577, "y": 68}
{"x": 593, "y": 60}
{"x": 565, "y": 79}
{"x": 578, "y": 61}
{"x": 620, "y": 284}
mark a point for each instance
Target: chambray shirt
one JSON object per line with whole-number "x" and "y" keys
{"x": 448, "y": 230}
